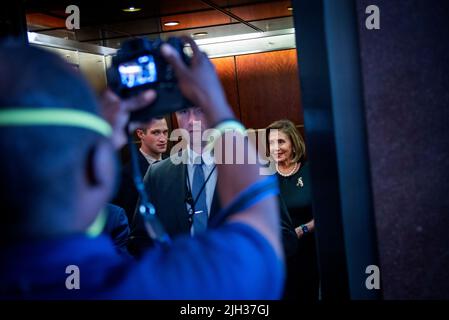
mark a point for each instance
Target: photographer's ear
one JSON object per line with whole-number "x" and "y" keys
{"x": 100, "y": 166}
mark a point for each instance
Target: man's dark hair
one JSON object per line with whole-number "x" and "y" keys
{"x": 40, "y": 164}
{"x": 145, "y": 128}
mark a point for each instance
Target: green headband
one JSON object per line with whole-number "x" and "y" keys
{"x": 55, "y": 117}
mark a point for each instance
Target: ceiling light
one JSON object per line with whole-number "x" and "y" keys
{"x": 132, "y": 9}
{"x": 290, "y": 8}
{"x": 199, "y": 34}
{"x": 171, "y": 23}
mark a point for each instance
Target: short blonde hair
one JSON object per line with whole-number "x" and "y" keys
{"x": 287, "y": 127}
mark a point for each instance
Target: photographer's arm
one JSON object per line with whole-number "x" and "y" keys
{"x": 200, "y": 84}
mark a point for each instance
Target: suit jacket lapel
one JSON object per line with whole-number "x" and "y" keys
{"x": 143, "y": 164}
{"x": 183, "y": 217}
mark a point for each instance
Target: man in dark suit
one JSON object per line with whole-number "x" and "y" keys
{"x": 153, "y": 143}
{"x": 173, "y": 188}
{"x": 168, "y": 186}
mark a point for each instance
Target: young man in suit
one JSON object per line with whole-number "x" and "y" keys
{"x": 153, "y": 139}
{"x": 153, "y": 143}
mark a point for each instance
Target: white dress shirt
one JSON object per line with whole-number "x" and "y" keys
{"x": 149, "y": 158}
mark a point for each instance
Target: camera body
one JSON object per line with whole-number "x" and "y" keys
{"x": 139, "y": 66}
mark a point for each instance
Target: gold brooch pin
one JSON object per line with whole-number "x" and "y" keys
{"x": 300, "y": 183}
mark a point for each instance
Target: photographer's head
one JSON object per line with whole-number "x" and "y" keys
{"x": 55, "y": 177}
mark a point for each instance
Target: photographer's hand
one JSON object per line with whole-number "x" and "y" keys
{"x": 116, "y": 112}
{"x": 199, "y": 82}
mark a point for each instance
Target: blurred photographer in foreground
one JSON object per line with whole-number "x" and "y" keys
{"x": 58, "y": 172}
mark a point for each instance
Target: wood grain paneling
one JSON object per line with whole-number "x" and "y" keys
{"x": 195, "y": 20}
{"x": 268, "y": 86}
{"x": 211, "y": 17}
{"x": 263, "y": 10}
{"x": 43, "y": 20}
{"x": 226, "y": 71}
{"x": 167, "y": 7}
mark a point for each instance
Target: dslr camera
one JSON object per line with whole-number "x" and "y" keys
{"x": 138, "y": 66}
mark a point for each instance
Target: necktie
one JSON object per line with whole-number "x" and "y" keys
{"x": 200, "y": 215}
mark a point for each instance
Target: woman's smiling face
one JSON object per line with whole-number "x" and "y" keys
{"x": 280, "y": 146}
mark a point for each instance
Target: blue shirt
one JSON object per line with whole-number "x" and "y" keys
{"x": 206, "y": 267}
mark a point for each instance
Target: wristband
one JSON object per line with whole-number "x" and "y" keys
{"x": 229, "y": 125}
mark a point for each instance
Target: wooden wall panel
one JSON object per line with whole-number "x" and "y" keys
{"x": 44, "y": 20}
{"x": 226, "y": 71}
{"x": 261, "y": 11}
{"x": 167, "y": 7}
{"x": 268, "y": 86}
{"x": 212, "y": 17}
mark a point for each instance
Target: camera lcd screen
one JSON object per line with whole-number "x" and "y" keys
{"x": 138, "y": 72}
